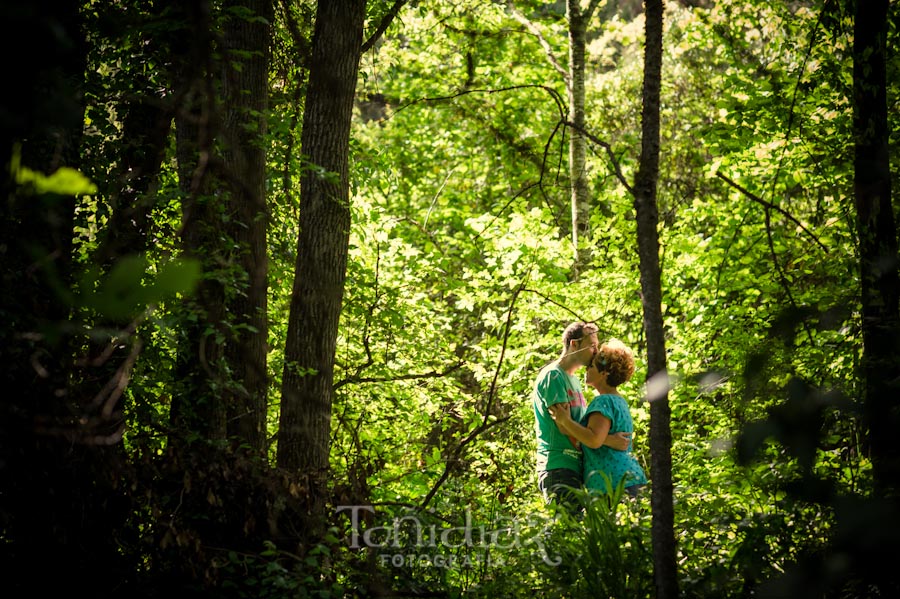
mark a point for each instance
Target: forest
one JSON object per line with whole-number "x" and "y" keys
{"x": 278, "y": 277}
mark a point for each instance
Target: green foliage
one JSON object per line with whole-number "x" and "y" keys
{"x": 605, "y": 552}
{"x": 128, "y": 289}
{"x": 511, "y": 550}
{"x": 64, "y": 181}
{"x": 275, "y": 574}
{"x": 743, "y": 283}
{"x": 459, "y": 283}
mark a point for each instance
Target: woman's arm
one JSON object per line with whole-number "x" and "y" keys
{"x": 594, "y": 435}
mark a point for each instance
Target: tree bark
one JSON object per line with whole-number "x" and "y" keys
{"x": 245, "y": 90}
{"x": 664, "y": 568}
{"x": 197, "y": 408}
{"x": 322, "y": 248}
{"x": 579, "y": 189}
{"x": 878, "y": 246}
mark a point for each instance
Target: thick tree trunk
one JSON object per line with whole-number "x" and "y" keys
{"x": 222, "y": 363}
{"x": 878, "y": 246}
{"x": 245, "y": 87}
{"x": 197, "y": 407}
{"x": 322, "y": 247}
{"x": 664, "y": 569}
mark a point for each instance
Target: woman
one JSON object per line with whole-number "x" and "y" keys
{"x": 608, "y": 413}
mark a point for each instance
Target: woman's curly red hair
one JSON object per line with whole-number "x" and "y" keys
{"x": 616, "y": 360}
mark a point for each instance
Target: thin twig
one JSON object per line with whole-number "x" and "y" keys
{"x": 617, "y": 169}
{"x": 548, "y": 50}
{"x": 486, "y": 423}
{"x": 383, "y": 25}
{"x": 771, "y": 206}
{"x": 401, "y": 377}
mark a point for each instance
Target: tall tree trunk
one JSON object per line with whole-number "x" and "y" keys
{"x": 245, "y": 87}
{"x": 578, "y": 186}
{"x": 664, "y": 569}
{"x": 578, "y": 19}
{"x": 878, "y": 247}
{"x": 197, "y": 408}
{"x": 322, "y": 247}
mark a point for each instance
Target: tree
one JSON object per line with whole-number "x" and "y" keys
{"x": 245, "y": 97}
{"x": 457, "y": 278}
{"x": 878, "y": 248}
{"x": 322, "y": 246}
{"x": 580, "y": 190}
{"x": 578, "y": 18}
{"x": 196, "y": 407}
{"x": 221, "y": 133}
{"x": 645, "y": 185}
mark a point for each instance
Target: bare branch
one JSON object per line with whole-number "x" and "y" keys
{"x": 560, "y": 104}
{"x": 557, "y": 304}
{"x": 768, "y": 208}
{"x": 486, "y": 423}
{"x": 617, "y": 169}
{"x": 121, "y": 379}
{"x": 434, "y": 374}
{"x": 781, "y": 276}
{"x": 454, "y": 456}
{"x": 771, "y": 206}
{"x": 499, "y": 213}
{"x": 548, "y": 50}
{"x": 792, "y": 110}
{"x": 383, "y": 25}
{"x": 117, "y": 338}
{"x": 563, "y": 112}
{"x": 509, "y": 313}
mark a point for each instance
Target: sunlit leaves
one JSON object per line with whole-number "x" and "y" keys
{"x": 64, "y": 181}
{"x": 459, "y": 279}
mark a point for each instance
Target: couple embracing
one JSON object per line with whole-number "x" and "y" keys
{"x": 581, "y": 445}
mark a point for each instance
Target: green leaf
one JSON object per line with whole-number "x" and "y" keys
{"x": 129, "y": 289}
{"x": 178, "y": 276}
{"x": 65, "y": 181}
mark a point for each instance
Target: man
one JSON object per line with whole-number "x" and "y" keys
{"x": 559, "y": 460}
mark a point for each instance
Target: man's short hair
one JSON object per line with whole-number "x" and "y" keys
{"x": 578, "y": 330}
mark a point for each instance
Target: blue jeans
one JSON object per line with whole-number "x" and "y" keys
{"x": 553, "y": 485}
{"x": 634, "y": 490}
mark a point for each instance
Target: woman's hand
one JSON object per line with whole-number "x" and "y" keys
{"x": 561, "y": 414}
